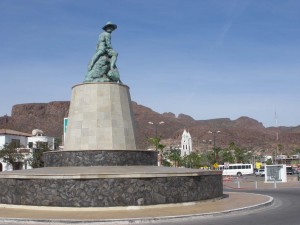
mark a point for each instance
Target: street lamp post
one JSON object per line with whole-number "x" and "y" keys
{"x": 214, "y": 133}
{"x": 156, "y": 141}
{"x": 207, "y": 143}
{"x": 155, "y": 126}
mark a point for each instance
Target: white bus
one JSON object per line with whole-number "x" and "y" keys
{"x": 238, "y": 169}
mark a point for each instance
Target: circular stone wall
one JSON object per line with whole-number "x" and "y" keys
{"x": 110, "y": 191}
{"x": 100, "y": 158}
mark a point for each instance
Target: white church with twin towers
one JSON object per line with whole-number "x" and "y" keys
{"x": 186, "y": 143}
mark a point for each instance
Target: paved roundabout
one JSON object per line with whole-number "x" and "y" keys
{"x": 230, "y": 203}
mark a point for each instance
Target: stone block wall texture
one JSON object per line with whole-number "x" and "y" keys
{"x": 109, "y": 192}
{"x": 100, "y": 158}
{"x": 100, "y": 118}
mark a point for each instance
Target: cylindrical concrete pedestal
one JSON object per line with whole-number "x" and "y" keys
{"x": 100, "y": 118}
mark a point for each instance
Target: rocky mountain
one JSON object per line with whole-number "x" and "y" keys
{"x": 244, "y": 131}
{"x": 45, "y": 116}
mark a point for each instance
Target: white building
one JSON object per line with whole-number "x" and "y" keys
{"x": 8, "y": 136}
{"x": 25, "y": 144}
{"x": 186, "y": 143}
{"x": 38, "y": 141}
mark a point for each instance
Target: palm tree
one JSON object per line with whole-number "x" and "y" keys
{"x": 195, "y": 160}
{"x": 175, "y": 156}
{"x": 155, "y": 141}
{"x": 158, "y": 146}
{"x": 207, "y": 158}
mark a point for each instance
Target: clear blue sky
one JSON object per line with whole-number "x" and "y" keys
{"x": 207, "y": 59}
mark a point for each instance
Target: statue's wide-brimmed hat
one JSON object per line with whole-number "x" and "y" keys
{"x": 110, "y": 24}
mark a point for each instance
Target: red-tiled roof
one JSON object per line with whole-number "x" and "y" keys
{"x": 14, "y": 132}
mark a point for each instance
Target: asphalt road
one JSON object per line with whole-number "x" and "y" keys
{"x": 284, "y": 211}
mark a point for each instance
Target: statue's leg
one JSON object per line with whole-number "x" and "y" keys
{"x": 114, "y": 56}
{"x": 95, "y": 58}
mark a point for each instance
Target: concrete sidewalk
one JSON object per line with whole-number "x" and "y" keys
{"x": 232, "y": 201}
{"x": 242, "y": 184}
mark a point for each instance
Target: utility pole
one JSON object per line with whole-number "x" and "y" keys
{"x": 214, "y": 139}
{"x": 156, "y": 125}
{"x": 160, "y": 155}
{"x": 276, "y": 137}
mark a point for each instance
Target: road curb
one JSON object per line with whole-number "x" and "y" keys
{"x": 24, "y": 221}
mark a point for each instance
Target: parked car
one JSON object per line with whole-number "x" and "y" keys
{"x": 289, "y": 170}
{"x": 295, "y": 171}
{"x": 260, "y": 172}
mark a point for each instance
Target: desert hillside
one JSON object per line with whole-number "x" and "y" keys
{"x": 246, "y": 132}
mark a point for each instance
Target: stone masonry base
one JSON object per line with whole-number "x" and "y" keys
{"x": 110, "y": 191}
{"x": 100, "y": 158}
